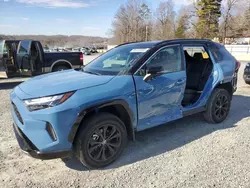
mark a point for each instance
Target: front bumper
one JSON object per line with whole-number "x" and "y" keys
{"x": 29, "y": 148}
{"x": 43, "y": 133}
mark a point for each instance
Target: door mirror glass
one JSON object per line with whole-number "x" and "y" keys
{"x": 154, "y": 70}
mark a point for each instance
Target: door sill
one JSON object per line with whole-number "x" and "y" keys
{"x": 194, "y": 111}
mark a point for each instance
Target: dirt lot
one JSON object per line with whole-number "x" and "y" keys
{"x": 186, "y": 153}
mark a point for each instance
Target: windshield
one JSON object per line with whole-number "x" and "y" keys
{"x": 118, "y": 59}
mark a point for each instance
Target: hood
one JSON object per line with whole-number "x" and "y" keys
{"x": 61, "y": 82}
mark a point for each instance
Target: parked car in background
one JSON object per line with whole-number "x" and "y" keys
{"x": 93, "y": 49}
{"x": 85, "y": 51}
{"x": 68, "y": 49}
{"x": 246, "y": 75}
{"x": 133, "y": 87}
{"x": 29, "y": 59}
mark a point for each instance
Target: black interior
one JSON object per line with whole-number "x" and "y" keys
{"x": 35, "y": 62}
{"x": 198, "y": 71}
{"x": 10, "y": 58}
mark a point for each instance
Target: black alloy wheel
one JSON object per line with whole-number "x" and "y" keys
{"x": 218, "y": 106}
{"x": 221, "y": 106}
{"x": 104, "y": 143}
{"x": 100, "y": 140}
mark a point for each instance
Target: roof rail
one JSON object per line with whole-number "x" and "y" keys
{"x": 184, "y": 40}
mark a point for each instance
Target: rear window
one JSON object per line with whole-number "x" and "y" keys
{"x": 24, "y": 47}
{"x": 193, "y": 51}
{"x": 220, "y": 53}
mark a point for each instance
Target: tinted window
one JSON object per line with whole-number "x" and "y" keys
{"x": 220, "y": 53}
{"x": 168, "y": 58}
{"x": 24, "y": 47}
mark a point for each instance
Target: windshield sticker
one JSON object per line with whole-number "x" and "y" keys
{"x": 139, "y": 50}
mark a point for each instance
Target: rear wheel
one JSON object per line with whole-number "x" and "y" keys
{"x": 247, "y": 82}
{"x": 60, "y": 68}
{"x": 101, "y": 140}
{"x": 218, "y": 106}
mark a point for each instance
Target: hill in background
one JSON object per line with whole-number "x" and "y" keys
{"x": 60, "y": 40}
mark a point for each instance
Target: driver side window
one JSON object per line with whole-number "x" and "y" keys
{"x": 168, "y": 58}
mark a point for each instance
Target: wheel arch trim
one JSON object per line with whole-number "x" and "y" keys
{"x": 81, "y": 115}
{"x": 60, "y": 61}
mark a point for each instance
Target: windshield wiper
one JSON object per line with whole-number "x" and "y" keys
{"x": 90, "y": 72}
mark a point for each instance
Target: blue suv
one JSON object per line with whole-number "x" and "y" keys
{"x": 135, "y": 86}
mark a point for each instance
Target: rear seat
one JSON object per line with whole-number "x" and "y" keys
{"x": 195, "y": 69}
{"x": 194, "y": 72}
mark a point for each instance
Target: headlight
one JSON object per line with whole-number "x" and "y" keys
{"x": 46, "y": 102}
{"x": 248, "y": 65}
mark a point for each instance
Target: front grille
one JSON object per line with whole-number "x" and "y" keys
{"x": 17, "y": 113}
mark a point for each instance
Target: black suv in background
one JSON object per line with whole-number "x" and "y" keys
{"x": 246, "y": 75}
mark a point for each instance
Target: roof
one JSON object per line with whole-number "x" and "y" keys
{"x": 172, "y": 41}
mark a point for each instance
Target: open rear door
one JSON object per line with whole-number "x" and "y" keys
{"x": 3, "y": 70}
{"x": 23, "y": 58}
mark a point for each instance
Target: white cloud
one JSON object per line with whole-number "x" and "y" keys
{"x": 63, "y": 21}
{"x": 7, "y": 26}
{"x": 24, "y": 18}
{"x": 56, "y": 3}
{"x": 14, "y": 18}
{"x": 6, "y": 0}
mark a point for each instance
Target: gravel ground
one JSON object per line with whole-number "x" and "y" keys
{"x": 185, "y": 153}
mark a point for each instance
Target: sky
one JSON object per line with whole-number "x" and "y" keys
{"x": 66, "y": 17}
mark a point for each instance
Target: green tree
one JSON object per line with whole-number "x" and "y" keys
{"x": 182, "y": 26}
{"x": 209, "y": 12}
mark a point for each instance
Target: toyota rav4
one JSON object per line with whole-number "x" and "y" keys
{"x": 135, "y": 86}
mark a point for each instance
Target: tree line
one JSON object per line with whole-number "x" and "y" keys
{"x": 136, "y": 21}
{"x": 60, "y": 40}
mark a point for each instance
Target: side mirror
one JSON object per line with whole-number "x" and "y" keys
{"x": 154, "y": 70}
{"x": 151, "y": 72}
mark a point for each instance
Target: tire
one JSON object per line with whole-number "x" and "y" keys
{"x": 247, "y": 82}
{"x": 218, "y": 106}
{"x": 60, "y": 68}
{"x": 89, "y": 144}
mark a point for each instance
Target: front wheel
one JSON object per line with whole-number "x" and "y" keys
{"x": 247, "y": 82}
{"x": 101, "y": 140}
{"x": 218, "y": 106}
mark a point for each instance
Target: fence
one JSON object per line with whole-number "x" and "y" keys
{"x": 238, "y": 49}
{"x": 240, "y": 52}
